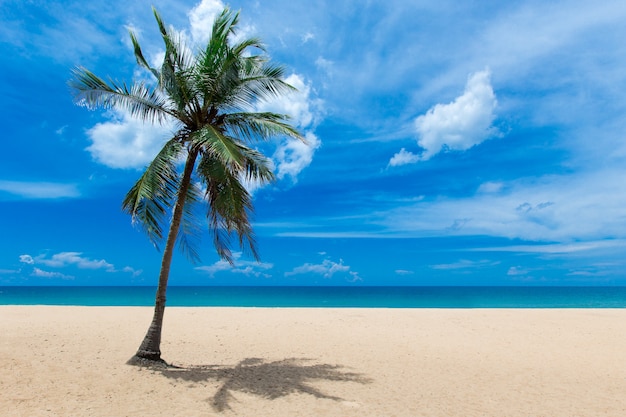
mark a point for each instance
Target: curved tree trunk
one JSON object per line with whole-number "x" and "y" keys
{"x": 150, "y": 348}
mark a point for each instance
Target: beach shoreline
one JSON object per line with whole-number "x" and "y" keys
{"x": 60, "y": 361}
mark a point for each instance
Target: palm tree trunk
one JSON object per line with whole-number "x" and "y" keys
{"x": 150, "y": 348}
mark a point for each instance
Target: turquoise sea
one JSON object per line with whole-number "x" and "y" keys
{"x": 372, "y": 297}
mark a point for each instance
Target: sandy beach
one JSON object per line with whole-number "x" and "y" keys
{"x": 70, "y": 361}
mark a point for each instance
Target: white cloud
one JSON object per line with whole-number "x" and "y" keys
{"x": 298, "y": 105}
{"x": 27, "y": 259}
{"x": 126, "y": 142}
{"x": 326, "y": 269}
{"x": 201, "y": 19}
{"x": 459, "y": 125}
{"x": 156, "y": 60}
{"x": 46, "y": 274}
{"x": 39, "y": 190}
{"x": 292, "y": 156}
{"x": 134, "y": 272}
{"x": 64, "y": 259}
{"x": 404, "y": 272}
{"x": 542, "y": 29}
{"x": 403, "y": 158}
{"x": 248, "y": 268}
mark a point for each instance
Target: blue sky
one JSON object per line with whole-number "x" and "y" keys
{"x": 450, "y": 143}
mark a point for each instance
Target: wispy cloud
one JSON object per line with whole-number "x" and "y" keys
{"x": 39, "y": 190}
{"x": 491, "y": 187}
{"x": 134, "y": 272}
{"x": 72, "y": 259}
{"x": 68, "y": 23}
{"x": 307, "y": 37}
{"x": 326, "y": 269}
{"x": 554, "y": 208}
{"x": 63, "y": 259}
{"x": 466, "y": 264}
{"x": 573, "y": 248}
{"x": 244, "y": 267}
{"x": 40, "y": 273}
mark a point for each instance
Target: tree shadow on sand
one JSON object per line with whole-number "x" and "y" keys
{"x": 269, "y": 380}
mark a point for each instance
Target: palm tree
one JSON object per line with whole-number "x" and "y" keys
{"x": 211, "y": 96}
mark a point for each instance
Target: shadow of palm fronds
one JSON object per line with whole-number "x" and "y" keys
{"x": 269, "y": 380}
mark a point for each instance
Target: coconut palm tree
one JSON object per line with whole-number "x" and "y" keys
{"x": 211, "y": 96}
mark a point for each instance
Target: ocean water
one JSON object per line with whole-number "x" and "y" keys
{"x": 372, "y": 297}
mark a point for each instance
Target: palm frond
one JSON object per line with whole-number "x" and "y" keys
{"x": 245, "y": 44}
{"x": 253, "y": 127}
{"x": 229, "y": 207}
{"x": 224, "y": 26}
{"x": 257, "y": 167}
{"x": 178, "y": 64}
{"x": 140, "y": 100}
{"x": 262, "y": 84}
{"x": 220, "y": 66}
{"x": 214, "y": 142}
{"x": 153, "y": 194}
{"x": 190, "y": 230}
{"x": 249, "y": 83}
{"x": 139, "y": 55}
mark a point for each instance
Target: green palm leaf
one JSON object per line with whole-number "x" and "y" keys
{"x": 149, "y": 199}
{"x": 139, "y": 55}
{"x": 139, "y": 99}
{"x": 257, "y": 167}
{"x": 190, "y": 229}
{"x": 229, "y": 207}
{"x": 252, "y": 127}
{"x": 213, "y": 142}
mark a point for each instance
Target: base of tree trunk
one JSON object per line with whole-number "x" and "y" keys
{"x": 152, "y": 361}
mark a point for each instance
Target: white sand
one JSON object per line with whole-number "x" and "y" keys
{"x": 70, "y": 361}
